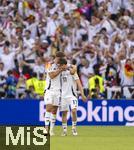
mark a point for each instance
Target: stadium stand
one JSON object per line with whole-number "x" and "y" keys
{"x": 90, "y": 32}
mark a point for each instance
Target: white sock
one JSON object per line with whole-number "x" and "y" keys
{"x": 64, "y": 126}
{"x": 74, "y": 123}
{"x": 52, "y": 122}
{"x": 47, "y": 118}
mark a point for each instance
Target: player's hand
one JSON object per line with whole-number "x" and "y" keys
{"x": 84, "y": 98}
{"x": 60, "y": 69}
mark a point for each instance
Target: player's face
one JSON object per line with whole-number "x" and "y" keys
{"x": 64, "y": 67}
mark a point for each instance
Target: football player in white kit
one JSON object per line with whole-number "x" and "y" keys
{"x": 52, "y": 95}
{"x": 71, "y": 71}
{"x": 53, "y": 90}
{"x": 69, "y": 98}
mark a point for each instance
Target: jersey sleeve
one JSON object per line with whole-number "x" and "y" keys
{"x": 52, "y": 68}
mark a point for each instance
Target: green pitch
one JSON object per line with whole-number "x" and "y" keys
{"x": 95, "y": 138}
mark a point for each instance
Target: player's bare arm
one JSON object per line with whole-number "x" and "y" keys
{"x": 53, "y": 74}
{"x": 84, "y": 98}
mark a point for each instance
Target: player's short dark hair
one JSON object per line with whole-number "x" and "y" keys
{"x": 60, "y": 54}
{"x": 62, "y": 61}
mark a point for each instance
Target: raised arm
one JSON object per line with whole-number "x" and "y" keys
{"x": 54, "y": 74}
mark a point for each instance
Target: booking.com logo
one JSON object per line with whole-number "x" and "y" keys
{"x": 99, "y": 114}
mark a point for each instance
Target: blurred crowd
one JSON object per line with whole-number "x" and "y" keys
{"x": 92, "y": 33}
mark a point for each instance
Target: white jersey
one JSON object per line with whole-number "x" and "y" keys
{"x": 53, "y": 84}
{"x": 69, "y": 87}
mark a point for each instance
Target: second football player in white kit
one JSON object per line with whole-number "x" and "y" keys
{"x": 70, "y": 98}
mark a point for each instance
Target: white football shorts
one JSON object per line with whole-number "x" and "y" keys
{"x": 69, "y": 102}
{"x": 52, "y": 97}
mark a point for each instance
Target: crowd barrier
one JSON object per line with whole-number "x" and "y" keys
{"x": 94, "y": 112}
{"x": 128, "y": 91}
{"x": 123, "y": 92}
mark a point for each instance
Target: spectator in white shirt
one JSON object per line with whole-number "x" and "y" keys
{"x": 8, "y": 58}
{"x": 3, "y": 71}
{"x": 2, "y": 41}
{"x": 28, "y": 41}
{"x": 85, "y": 72}
{"x": 39, "y": 67}
{"x": 32, "y": 26}
{"x": 52, "y": 25}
